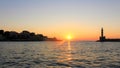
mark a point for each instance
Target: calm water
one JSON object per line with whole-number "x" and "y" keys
{"x": 59, "y": 55}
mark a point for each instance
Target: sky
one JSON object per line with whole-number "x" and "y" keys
{"x": 82, "y": 19}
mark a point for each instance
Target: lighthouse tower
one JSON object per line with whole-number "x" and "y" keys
{"x": 102, "y": 37}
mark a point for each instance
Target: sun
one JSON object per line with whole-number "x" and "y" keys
{"x": 69, "y": 37}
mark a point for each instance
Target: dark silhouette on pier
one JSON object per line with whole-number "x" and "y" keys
{"x": 102, "y": 38}
{"x": 23, "y": 36}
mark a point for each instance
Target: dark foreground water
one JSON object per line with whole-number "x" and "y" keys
{"x": 59, "y": 55}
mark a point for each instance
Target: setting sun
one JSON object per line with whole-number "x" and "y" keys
{"x": 69, "y": 37}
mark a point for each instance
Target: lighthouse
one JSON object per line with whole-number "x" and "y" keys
{"x": 101, "y": 32}
{"x": 102, "y": 37}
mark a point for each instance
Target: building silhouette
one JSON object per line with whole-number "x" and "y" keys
{"x": 102, "y": 38}
{"x": 23, "y": 36}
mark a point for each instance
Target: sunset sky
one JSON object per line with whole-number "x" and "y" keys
{"x": 82, "y": 19}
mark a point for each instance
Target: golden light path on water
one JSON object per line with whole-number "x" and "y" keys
{"x": 69, "y": 50}
{"x": 66, "y": 55}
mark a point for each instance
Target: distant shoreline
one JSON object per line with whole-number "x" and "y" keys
{"x": 24, "y": 36}
{"x": 31, "y": 41}
{"x": 108, "y": 41}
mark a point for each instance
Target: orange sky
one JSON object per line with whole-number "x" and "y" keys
{"x": 82, "y": 19}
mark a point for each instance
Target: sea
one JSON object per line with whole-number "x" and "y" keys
{"x": 59, "y": 54}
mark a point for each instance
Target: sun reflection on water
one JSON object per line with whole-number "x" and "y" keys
{"x": 69, "y": 46}
{"x": 69, "y": 56}
{"x": 66, "y": 55}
